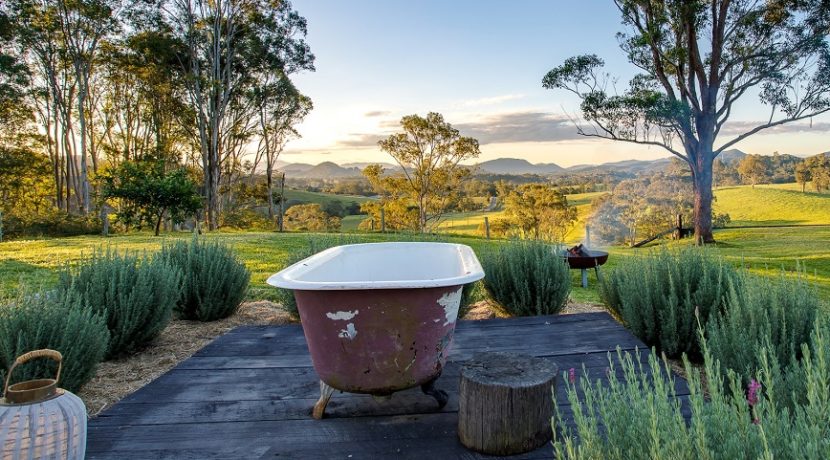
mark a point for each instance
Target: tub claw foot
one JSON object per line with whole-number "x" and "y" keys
{"x": 440, "y": 395}
{"x": 320, "y": 407}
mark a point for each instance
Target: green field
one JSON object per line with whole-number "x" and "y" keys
{"x": 322, "y": 198}
{"x": 779, "y": 204}
{"x": 36, "y": 262}
{"x": 763, "y": 250}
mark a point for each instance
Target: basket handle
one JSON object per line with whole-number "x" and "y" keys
{"x": 26, "y": 357}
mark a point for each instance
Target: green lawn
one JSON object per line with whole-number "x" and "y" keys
{"x": 766, "y": 251}
{"x": 323, "y": 198}
{"x": 779, "y": 204}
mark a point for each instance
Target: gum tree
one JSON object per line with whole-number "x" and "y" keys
{"x": 697, "y": 59}
{"x": 428, "y": 151}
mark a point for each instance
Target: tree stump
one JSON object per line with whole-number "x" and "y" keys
{"x": 505, "y": 403}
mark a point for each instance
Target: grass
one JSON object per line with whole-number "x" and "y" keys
{"x": 763, "y": 250}
{"x": 36, "y": 262}
{"x": 323, "y": 198}
{"x": 778, "y": 204}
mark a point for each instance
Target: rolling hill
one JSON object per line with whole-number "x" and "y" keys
{"x": 516, "y": 166}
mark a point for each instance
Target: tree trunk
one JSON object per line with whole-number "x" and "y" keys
{"x": 84, "y": 174}
{"x": 504, "y": 403}
{"x": 269, "y": 181}
{"x": 703, "y": 198}
{"x": 158, "y": 222}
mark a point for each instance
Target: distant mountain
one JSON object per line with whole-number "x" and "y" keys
{"x": 625, "y": 167}
{"x": 511, "y": 166}
{"x": 516, "y": 166}
{"x": 731, "y": 157}
{"x": 329, "y": 170}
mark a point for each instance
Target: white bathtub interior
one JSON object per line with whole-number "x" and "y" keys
{"x": 383, "y": 266}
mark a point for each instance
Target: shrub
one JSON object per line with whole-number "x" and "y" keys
{"x": 659, "y": 296}
{"x": 60, "y": 322}
{"x": 135, "y": 295}
{"x": 638, "y": 414}
{"x": 761, "y": 313}
{"x": 527, "y": 277}
{"x": 214, "y": 280}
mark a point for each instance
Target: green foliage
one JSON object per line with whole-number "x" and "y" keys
{"x": 428, "y": 151}
{"x": 49, "y": 223}
{"x": 660, "y": 296}
{"x": 527, "y": 277}
{"x": 135, "y": 295}
{"x": 214, "y": 282}
{"x": 538, "y": 211}
{"x": 638, "y": 416}
{"x": 310, "y": 218}
{"x": 49, "y": 320}
{"x": 776, "y": 315}
{"x": 148, "y": 192}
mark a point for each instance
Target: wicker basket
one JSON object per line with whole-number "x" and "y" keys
{"x": 38, "y": 420}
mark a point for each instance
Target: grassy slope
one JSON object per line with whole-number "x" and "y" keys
{"x": 322, "y": 198}
{"x": 763, "y": 250}
{"x": 36, "y": 262}
{"x": 780, "y": 204}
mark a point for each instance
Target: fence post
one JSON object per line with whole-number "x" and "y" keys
{"x": 486, "y": 227}
{"x": 372, "y": 223}
{"x": 587, "y": 242}
{"x": 382, "y": 220}
{"x": 679, "y": 226}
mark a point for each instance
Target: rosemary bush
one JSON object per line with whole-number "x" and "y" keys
{"x": 661, "y": 295}
{"x": 135, "y": 295}
{"x": 49, "y": 320}
{"x": 778, "y": 315}
{"x": 214, "y": 282}
{"x": 527, "y": 277}
{"x": 637, "y": 416}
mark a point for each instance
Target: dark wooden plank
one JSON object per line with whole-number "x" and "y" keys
{"x": 410, "y": 436}
{"x": 220, "y": 400}
{"x": 584, "y": 339}
{"x": 249, "y": 393}
{"x": 597, "y": 358}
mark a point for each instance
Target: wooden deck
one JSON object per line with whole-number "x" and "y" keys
{"x": 249, "y": 394}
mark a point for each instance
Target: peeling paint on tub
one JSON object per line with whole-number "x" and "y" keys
{"x": 450, "y": 301}
{"x": 342, "y": 315}
{"x": 349, "y": 333}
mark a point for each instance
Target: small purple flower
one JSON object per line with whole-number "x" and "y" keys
{"x": 756, "y": 421}
{"x": 572, "y": 375}
{"x": 752, "y": 393}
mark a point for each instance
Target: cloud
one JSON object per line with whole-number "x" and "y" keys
{"x": 303, "y": 151}
{"x": 739, "y": 127}
{"x": 520, "y": 127}
{"x": 361, "y": 141}
{"x": 377, "y": 113}
{"x": 491, "y": 100}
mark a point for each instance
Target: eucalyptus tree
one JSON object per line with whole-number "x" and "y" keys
{"x": 228, "y": 43}
{"x": 280, "y": 107}
{"x": 698, "y": 58}
{"x": 429, "y": 151}
{"x": 84, "y": 24}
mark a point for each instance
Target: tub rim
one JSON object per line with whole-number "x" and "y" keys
{"x": 287, "y": 277}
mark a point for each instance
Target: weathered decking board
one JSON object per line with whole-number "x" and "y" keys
{"x": 249, "y": 394}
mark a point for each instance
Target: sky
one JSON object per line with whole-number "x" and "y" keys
{"x": 480, "y": 63}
